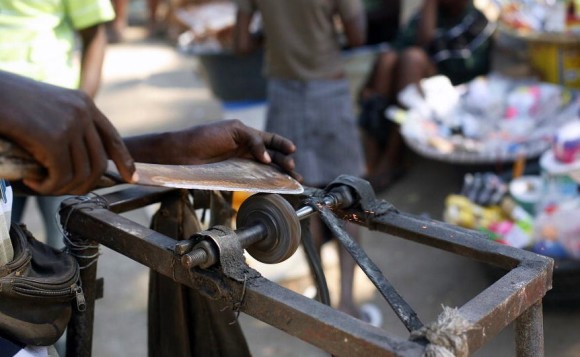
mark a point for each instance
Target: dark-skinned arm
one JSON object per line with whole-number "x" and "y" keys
{"x": 427, "y": 23}
{"x": 214, "y": 142}
{"x": 244, "y": 43}
{"x": 64, "y": 132}
{"x": 94, "y": 43}
{"x": 355, "y": 29}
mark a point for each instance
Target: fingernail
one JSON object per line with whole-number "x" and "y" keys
{"x": 135, "y": 177}
{"x": 267, "y": 157}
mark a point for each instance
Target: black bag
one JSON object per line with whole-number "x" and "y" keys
{"x": 36, "y": 291}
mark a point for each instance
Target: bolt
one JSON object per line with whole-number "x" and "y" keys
{"x": 194, "y": 258}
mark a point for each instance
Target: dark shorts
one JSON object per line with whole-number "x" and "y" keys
{"x": 373, "y": 121}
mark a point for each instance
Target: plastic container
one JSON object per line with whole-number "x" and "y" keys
{"x": 558, "y": 188}
{"x": 235, "y": 78}
{"x": 526, "y": 192}
{"x": 557, "y": 59}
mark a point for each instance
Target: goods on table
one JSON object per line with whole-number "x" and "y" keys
{"x": 537, "y": 212}
{"x": 487, "y": 120}
{"x": 551, "y": 28}
{"x": 541, "y": 16}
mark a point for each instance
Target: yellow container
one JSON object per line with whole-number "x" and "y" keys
{"x": 557, "y": 59}
{"x": 238, "y": 198}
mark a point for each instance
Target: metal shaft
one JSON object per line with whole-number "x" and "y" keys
{"x": 251, "y": 235}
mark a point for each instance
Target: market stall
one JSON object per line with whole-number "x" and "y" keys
{"x": 513, "y": 121}
{"x": 551, "y": 30}
{"x": 496, "y": 119}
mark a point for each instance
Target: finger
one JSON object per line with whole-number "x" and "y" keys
{"x": 257, "y": 147}
{"x": 286, "y": 163}
{"x": 90, "y": 163}
{"x": 98, "y": 158}
{"x": 59, "y": 172}
{"x": 80, "y": 168}
{"x": 278, "y": 143}
{"x": 115, "y": 148}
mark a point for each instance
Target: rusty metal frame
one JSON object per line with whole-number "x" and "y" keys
{"x": 516, "y": 297}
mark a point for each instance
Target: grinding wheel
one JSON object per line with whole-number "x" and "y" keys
{"x": 280, "y": 221}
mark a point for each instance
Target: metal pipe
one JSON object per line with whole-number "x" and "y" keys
{"x": 330, "y": 201}
{"x": 252, "y": 235}
{"x": 530, "y": 332}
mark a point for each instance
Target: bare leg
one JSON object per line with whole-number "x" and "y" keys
{"x": 372, "y": 150}
{"x": 378, "y": 88}
{"x": 380, "y": 80}
{"x": 346, "y": 265}
{"x": 413, "y": 65}
{"x": 118, "y": 25}
{"x": 155, "y": 25}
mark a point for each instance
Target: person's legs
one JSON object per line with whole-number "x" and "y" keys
{"x": 155, "y": 26}
{"x": 374, "y": 98}
{"x": 413, "y": 65}
{"x": 118, "y": 25}
{"x": 18, "y": 206}
{"x": 49, "y": 207}
{"x": 380, "y": 81}
{"x": 347, "y": 267}
{"x": 322, "y": 235}
{"x": 376, "y": 95}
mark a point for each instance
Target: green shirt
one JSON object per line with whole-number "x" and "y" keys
{"x": 37, "y": 37}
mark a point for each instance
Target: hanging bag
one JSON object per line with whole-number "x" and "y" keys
{"x": 37, "y": 289}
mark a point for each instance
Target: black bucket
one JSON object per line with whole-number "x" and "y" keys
{"x": 235, "y": 78}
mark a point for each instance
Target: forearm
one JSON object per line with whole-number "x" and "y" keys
{"x": 243, "y": 41}
{"x": 428, "y": 23}
{"x": 158, "y": 148}
{"x": 355, "y": 30}
{"x": 93, "y": 53}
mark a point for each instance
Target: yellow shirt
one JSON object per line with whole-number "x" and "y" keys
{"x": 37, "y": 37}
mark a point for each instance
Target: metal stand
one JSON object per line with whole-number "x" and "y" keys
{"x": 515, "y": 297}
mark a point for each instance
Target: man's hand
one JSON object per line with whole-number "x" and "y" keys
{"x": 64, "y": 132}
{"x": 212, "y": 143}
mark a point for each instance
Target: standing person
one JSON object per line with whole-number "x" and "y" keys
{"x": 449, "y": 37}
{"x": 39, "y": 38}
{"x": 74, "y": 150}
{"x": 308, "y": 95}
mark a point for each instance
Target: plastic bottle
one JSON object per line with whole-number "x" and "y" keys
{"x": 520, "y": 235}
{"x": 519, "y": 215}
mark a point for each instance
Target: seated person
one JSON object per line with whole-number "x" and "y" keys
{"x": 449, "y": 37}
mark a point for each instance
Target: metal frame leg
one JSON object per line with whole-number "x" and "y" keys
{"x": 530, "y": 332}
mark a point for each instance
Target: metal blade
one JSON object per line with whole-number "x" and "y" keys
{"x": 229, "y": 175}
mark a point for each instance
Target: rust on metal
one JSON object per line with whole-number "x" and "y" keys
{"x": 516, "y": 297}
{"x": 228, "y": 175}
